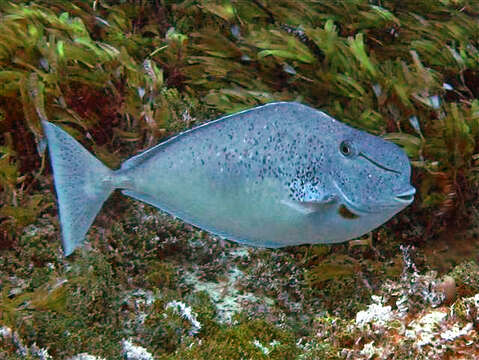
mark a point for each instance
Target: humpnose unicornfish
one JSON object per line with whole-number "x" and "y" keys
{"x": 276, "y": 175}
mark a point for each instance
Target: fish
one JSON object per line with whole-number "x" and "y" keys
{"x": 276, "y": 175}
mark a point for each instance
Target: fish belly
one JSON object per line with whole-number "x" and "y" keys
{"x": 240, "y": 208}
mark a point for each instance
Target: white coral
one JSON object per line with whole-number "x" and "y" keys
{"x": 134, "y": 352}
{"x": 376, "y": 313}
{"x": 85, "y": 356}
{"x": 424, "y": 329}
{"x": 186, "y": 312}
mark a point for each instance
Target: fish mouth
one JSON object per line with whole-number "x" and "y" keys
{"x": 406, "y": 197}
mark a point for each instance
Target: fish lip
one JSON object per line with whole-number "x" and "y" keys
{"x": 406, "y": 197}
{"x": 398, "y": 203}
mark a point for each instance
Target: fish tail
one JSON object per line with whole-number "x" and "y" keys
{"x": 82, "y": 184}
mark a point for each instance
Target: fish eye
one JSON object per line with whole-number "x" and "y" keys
{"x": 346, "y": 149}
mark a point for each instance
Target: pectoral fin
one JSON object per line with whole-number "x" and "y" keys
{"x": 312, "y": 206}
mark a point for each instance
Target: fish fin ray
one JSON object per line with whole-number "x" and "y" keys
{"x": 80, "y": 183}
{"x": 309, "y": 207}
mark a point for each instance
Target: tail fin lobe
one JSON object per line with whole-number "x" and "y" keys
{"x": 82, "y": 185}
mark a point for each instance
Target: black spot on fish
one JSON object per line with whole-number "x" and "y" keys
{"x": 345, "y": 213}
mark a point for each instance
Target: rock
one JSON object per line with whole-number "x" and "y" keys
{"x": 448, "y": 287}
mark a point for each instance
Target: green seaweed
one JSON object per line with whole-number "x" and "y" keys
{"x": 254, "y": 339}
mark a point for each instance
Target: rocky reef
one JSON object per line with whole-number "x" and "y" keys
{"x": 121, "y": 76}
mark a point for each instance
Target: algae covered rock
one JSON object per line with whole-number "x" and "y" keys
{"x": 121, "y": 76}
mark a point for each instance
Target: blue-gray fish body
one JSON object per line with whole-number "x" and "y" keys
{"x": 276, "y": 175}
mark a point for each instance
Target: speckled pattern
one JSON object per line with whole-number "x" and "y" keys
{"x": 276, "y": 175}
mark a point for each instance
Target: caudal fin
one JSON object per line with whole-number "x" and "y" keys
{"x": 81, "y": 182}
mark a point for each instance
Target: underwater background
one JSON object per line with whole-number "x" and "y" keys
{"x": 121, "y": 76}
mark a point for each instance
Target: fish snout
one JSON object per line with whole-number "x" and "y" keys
{"x": 406, "y": 197}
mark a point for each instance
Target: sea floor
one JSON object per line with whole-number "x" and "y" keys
{"x": 147, "y": 286}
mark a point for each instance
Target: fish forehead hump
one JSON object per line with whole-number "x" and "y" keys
{"x": 384, "y": 152}
{"x": 382, "y": 170}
